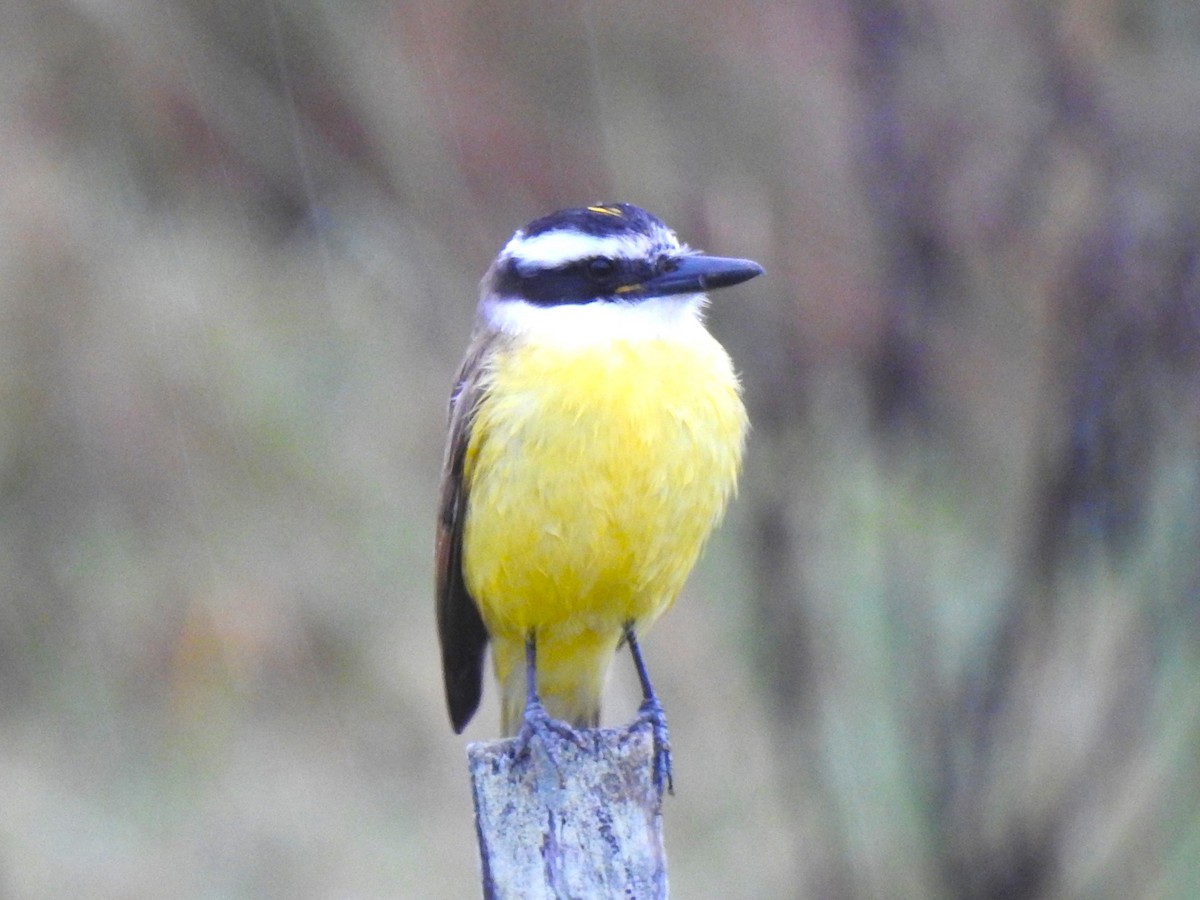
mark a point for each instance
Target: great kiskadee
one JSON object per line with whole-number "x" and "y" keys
{"x": 596, "y": 432}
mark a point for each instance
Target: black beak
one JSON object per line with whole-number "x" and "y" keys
{"x": 697, "y": 274}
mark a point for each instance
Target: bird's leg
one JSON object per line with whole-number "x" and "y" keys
{"x": 537, "y": 721}
{"x": 533, "y": 704}
{"x": 651, "y": 712}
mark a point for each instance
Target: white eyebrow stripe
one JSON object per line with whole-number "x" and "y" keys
{"x": 556, "y": 248}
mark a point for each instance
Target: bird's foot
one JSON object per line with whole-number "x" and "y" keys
{"x": 651, "y": 713}
{"x": 538, "y": 727}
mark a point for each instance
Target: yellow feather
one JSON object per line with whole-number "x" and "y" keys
{"x": 595, "y": 472}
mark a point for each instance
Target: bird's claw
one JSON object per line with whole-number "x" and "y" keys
{"x": 651, "y": 713}
{"x": 537, "y": 724}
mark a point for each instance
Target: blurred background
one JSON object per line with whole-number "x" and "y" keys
{"x": 947, "y": 644}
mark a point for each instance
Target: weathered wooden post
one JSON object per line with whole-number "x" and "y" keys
{"x": 559, "y": 819}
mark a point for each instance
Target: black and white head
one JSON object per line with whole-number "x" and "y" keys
{"x": 596, "y": 267}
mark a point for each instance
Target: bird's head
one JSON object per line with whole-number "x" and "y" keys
{"x": 606, "y": 254}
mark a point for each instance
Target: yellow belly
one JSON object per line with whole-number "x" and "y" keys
{"x": 595, "y": 474}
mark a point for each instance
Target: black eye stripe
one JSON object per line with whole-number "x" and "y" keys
{"x": 580, "y": 281}
{"x": 602, "y": 269}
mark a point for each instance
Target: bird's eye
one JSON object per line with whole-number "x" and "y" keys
{"x": 601, "y": 269}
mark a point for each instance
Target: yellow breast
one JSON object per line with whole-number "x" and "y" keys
{"x": 595, "y": 474}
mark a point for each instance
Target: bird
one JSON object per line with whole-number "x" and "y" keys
{"x": 596, "y": 433}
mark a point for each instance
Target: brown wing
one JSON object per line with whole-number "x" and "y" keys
{"x": 461, "y": 630}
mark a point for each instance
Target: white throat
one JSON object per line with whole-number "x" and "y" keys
{"x": 597, "y": 322}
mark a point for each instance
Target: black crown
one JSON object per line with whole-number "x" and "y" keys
{"x": 601, "y": 220}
